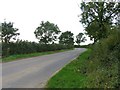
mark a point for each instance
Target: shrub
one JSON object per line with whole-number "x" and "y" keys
{"x": 25, "y": 47}
{"x": 108, "y": 50}
{"x": 102, "y": 67}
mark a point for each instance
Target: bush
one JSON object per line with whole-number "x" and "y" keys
{"x": 25, "y": 47}
{"x": 108, "y": 50}
{"x": 0, "y": 49}
{"x": 102, "y": 66}
{"x": 83, "y": 46}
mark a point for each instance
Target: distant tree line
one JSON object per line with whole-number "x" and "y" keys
{"x": 47, "y": 35}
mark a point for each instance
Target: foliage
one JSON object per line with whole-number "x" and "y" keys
{"x": 25, "y": 47}
{"x": 108, "y": 50}
{"x": 103, "y": 65}
{"x": 21, "y": 56}
{"x": 66, "y": 38}
{"x": 96, "y": 16}
{"x": 98, "y": 68}
{"x": 80, "y": 38}
{"x": 0, "y": 34}
{"x": 47, "y": 32}
{"x": 8, "y": 32}
{"x": 83, "y": 46}
{"x": 117, "y": 24}
{"x": 0, "y": 49}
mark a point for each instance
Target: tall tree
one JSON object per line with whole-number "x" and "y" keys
{"x": 101, "y": 14}
{"x": 118, "y": 21}
{"x": 0, "y": 32}
{"x": 80, "y": 38}
{"x": 47, "y": 32}
{"x": 8, "y": 32}
{"x": 93, "y": 32}
{"x": 66, "y": 38}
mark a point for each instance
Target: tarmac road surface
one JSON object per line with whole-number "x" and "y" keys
{"x": 35, "y": 72}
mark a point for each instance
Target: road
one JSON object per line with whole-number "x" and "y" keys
{"x": 35, "y": 72}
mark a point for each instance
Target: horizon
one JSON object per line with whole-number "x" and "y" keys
{"x": 28, "y": 18}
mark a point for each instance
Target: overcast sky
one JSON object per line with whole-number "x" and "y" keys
{"x": 28, "y": 14}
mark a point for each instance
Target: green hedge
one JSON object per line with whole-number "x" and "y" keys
{"x": 25, "y": 47}
{"x": 83, "y": 46}
{"x": 108, "y": 50}
{"x": 102, "y": 67}
{"x": 0, "y": 48}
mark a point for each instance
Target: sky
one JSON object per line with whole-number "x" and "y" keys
{"x": 28, "y": 14}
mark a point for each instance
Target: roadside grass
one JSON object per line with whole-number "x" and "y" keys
{"x": 86, "y": 72}
{"x": 70, "y": 76}
{"x": 0, "y": 60}
{"x": 22, "y": 56}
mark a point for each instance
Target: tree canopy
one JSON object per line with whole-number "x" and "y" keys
{"x": 47, "y": 32}
{"x": 80, "y": 38}
{"x": 8, "y": 32}
{"x": 98, "y": 16}
{"x": 66, "y": 38}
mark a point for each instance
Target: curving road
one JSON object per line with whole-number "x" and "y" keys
{"x": 34, "y": 72}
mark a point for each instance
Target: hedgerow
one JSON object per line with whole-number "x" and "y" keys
{"x": 26, "y": 47}
{"x": 102, "y": 67}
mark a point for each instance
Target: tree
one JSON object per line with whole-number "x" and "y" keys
{"x": 93, "y": 32}
{"x": 47, "y": 32}
{"x": 0, "y": 32}
{"x": 80, "y": 38}
{"x": 118, "y": 21}
{"x": 8, "y": 32}
{"x": 66, "y": 38}
{"x": 101, "y": 14}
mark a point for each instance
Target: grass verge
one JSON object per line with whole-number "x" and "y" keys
{"x": 70, "y": 76}
{"x": 22, "y": 56}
